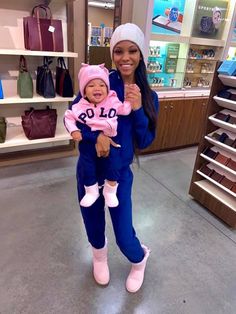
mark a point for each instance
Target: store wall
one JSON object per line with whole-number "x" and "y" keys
{"x": 127, "y": 10}
{"x": 96, "y": 16}
{"x": 140, "y": 13}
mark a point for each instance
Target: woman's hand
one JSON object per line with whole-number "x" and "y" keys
{"x": 133, "y": 95}
{"x": 103, "y": 145}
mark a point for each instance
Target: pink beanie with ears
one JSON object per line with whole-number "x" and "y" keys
{"x": 90, "y": 72}
{"x": 130, "y": 32}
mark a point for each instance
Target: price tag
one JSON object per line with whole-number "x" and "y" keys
{"x": 51, "y": 29}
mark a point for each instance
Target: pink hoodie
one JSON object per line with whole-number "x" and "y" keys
{"x": 103, "y": 117}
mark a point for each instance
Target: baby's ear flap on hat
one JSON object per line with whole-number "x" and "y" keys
{"x": 102, "y": 66}
{"x": 84, "y": 64}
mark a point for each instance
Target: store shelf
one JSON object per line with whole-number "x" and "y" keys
{"x": 167, "y": 57}
{"x": 232, "y": 44}
{"x": 218, "y": 193}
{"x": 198, "y": 73}
{"x": 206, "y": 42}
{"x": 196, "y": 87}
{"x": 218, "y": 164}
{"x": 17, "y": 52}
{"x": 183, "y": 93}
{"x": 164, "y": 72}
{"x": 35, "y": 99}
{"x": 202, "y": 59}
{"x": 225, "y": 103}
{"x": 225, "y": 125}
{"x": 219, "y": 144}
{"x": 16, "y": 137}
{"x": 154, "y": 72}
{"x": 170, "y": 38}
{"x": 217, "y": 184}
{"x": 228, "y": 80}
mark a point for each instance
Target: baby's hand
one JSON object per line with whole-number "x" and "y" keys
{"x": 77, "y": 136}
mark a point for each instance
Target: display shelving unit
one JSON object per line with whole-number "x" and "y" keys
{"x": 217, "y": 190}
{"x": 188, "y": 38}
{"x": 184, "y": 93}
{"x": 17, "y": 148}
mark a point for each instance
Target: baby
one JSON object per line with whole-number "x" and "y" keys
{"x": 98, "y": 109}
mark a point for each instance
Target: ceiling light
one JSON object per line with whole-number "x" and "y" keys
{"x": 104, "y": 5}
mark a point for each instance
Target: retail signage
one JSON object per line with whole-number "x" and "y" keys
{"x": 168, "y": 16}
{"x": 210, "y": 18}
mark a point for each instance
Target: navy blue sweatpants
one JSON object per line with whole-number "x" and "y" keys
{"x": 121, "y": 216}
{"x": 89, "y": 164}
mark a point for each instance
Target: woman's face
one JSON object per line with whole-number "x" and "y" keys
{"x": 126, "y": 56}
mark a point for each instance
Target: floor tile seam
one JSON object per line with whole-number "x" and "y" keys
{"x": 188, "y": 205}
{"x": 34, "y": 183}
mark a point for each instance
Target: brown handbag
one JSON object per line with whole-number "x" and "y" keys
{"x": 43, "y": 34}
{"x": 39, "y": 123}
{"x": 64, "y": 86}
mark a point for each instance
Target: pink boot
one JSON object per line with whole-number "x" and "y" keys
{"x": 136, "y": 275}
{"x": 91, "y": 195}
{"x": 100, "y": 266}
{"x": 109, "y": 193}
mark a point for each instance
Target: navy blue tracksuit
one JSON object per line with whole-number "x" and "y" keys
{"x": 131, "y": 128}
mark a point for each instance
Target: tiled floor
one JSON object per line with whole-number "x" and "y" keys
{"x": 45, "y": 259}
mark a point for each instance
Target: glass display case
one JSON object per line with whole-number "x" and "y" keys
{"x": 166, "y": 64}
{"x": 187, "y": 39}
{"x": 200, "y": 67}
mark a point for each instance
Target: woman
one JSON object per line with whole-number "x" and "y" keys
{"x": 135, "y": 130}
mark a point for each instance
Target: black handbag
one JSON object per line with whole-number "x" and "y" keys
{"x": 39, "y": 123}
{"x": 64, "y": 86}
{"x": 44, "y": 80}
{"x": 3, "y": 128}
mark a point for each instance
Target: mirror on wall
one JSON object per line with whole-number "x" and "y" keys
{"x": 102, "y": 17}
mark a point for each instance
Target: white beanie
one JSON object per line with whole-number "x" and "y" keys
{"x": 88, "y": 73}
{"x": 128, "y": 31}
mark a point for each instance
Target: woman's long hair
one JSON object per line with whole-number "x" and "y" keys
{"x": 146, "y": 92}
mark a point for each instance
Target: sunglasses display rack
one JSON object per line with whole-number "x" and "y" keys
{"x": 181, "y": 66}
{"x": 213, "y": 181}
{"x": 200, "y": 67}
{"x": 165, "y": 66}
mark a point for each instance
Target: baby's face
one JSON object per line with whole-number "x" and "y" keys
{"x": 96, "y": 91}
